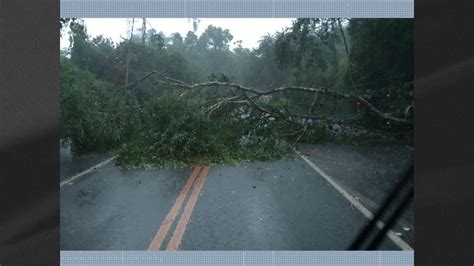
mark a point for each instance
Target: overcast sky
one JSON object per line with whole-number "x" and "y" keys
{"x": 249, "y": 30}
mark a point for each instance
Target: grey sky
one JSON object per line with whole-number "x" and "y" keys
{"x": 249, "y": 30}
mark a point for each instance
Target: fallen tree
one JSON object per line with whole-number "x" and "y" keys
{"x": 249, "y": 96}
{"x": 215, "y": 121}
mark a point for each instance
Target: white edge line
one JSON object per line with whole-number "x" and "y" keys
{"x": 390, "y": 234}
{"x": 93, "y": 168}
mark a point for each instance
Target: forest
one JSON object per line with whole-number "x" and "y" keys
{"x": 161, "y": 100}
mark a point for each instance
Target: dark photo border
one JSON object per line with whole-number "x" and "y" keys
{"x": 29, "y": 133}
{"x": 444, "y": 143}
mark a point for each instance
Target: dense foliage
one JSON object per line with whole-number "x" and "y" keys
{"x": 87, "y": 117}
{"x": 172, "y": 130}
{"x": 111, "y": 101}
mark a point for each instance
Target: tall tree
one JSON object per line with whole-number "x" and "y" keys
{"x": 127, "y": 70}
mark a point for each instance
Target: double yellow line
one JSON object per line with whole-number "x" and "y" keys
{"x": 178, "y": 233}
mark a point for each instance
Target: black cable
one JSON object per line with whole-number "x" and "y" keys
{"x": 366, "y": 232}
{"x": 391, "y": 221}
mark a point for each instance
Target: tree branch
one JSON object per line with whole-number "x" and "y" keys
{"x": 257, "y": 93}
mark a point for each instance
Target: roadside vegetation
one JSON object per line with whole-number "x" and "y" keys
{"x": 158, "y": 100}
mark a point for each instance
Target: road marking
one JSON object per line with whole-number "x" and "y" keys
{"x": 370, "y": 204}
{"x": 390, "y": 234}
{"x": 93, "y": 168}
{"x": 175, "y": 241}
{"x": 173, "y": 213}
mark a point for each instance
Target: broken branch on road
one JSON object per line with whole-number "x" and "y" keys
{"x": 257, "y": 94}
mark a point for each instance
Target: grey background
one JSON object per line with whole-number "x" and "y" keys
{"x": 290, "y": 258}
{"x": 238, "y": 8}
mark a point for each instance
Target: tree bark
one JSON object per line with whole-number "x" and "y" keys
{"x": 128, "y": 53}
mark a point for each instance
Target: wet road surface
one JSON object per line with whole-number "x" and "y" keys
{"x": 277, "y": 205}
{"x": 368, "y": 173}
{"x": 70, "y": 166}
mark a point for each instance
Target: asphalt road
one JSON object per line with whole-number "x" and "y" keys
{"x": 368, "y": 173}
{"x": 277, "y": 205}
{"x": 69, "y": 165}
